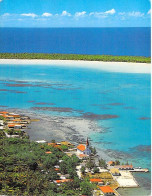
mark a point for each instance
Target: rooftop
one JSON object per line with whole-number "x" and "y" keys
{"x": 81, "y": 147}
{"x": 95, "y": 180}
{"x": 110, "y": 162}
{"x": 49, "y": 152}
{"x": 64, "y": 180}
{"x": 106, "y": 189}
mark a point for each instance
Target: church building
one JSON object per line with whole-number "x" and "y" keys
{"x": 84, "y": 148}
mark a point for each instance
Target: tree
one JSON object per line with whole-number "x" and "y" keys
{"x": 90, "y": 164}
{"x": 93, "y": 151}
{"x": 64, "y": 148}
{"x": 117, "y": 162}
{"x": 76, "y": 183}
{"x": 50, "y": 161}
{"x": 63, "y": 167}
{"x": 75, "y": 159}
{"x": 71, "y": 172}
{"x": 53, "y": 176}
{"x": 86, "y": 188}
{"x": 96, "y": 170}
{"x": 83, "y": 170}
{"x": 102, "y": 163}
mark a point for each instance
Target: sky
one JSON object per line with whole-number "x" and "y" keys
{"x": 75, "y": 13}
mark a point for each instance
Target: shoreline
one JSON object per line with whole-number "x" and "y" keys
{"x": 123, "y": 67}
{"x": 62, "y": 128}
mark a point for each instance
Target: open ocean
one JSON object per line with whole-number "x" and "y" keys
{"x": 110, "y": 41}
{"x": 123, "y": 98}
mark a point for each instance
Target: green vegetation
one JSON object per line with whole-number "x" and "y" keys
{"x": 26, "y": 169}
{"x": 93, "y": 150}
{"x": 16, "y": 132}
{"x": 1, "y": 118}
{"x": 110, "y": 58}
{"x": 102, "y": 163}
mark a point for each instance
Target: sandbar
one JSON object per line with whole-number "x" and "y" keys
{"x": 123, "y": 67}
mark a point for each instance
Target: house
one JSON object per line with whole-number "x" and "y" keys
{"x": 83, "y": 156}
{"x": 14, "y": 126}
{"x": 97, "y": 181}
{"x": 15, "y": 115}
{"x": 84, "y": 149}
{"x": 115, "y": 172}
{"x": 124, "y": 167}
{"x": 3, "y": 113}
{"x": 9, "y": 117}
{"x": 48, "y": 152}
{"x": 65, "y": 143}
{"x": 41, "y": 141}
{"x": 1, "y": 125}
{"x": 62, "y": 181}
{"x": 20, "y": 121}
{"x": 51, "y": 144}
{"x": 25, "y": 118}
{"x": 111, "y": 163}
{"x": 107, "y": 190}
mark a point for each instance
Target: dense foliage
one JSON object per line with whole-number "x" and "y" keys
{"x": 26, "y": 169}
{"x": 137, "y": 59}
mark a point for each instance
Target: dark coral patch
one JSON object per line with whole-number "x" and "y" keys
{"x": 115, "y": 104}
{"x": 54, "y": 109}
{"x": 145, "y": 118}
{"x": 129, "y": 108}
{"x": 99, "y": 116}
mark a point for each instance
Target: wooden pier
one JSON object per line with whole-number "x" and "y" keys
{"x": 140, "y": 170}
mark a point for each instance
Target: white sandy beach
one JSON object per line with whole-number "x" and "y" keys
{"x": 105, "y": 66}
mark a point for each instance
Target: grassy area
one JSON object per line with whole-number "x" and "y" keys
{"x": 108, "y": 58}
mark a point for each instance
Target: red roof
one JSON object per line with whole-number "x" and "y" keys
{"x": 110, "y": 162}
{"x": 65, "y": 180}
{"x": 51, "y": 144}
{"x": 81, "y": 147}
{"x": 106, "y": 189}
{"x": 3, "y": 112}
{"x": 83, "y": 155}
{"x": 95, "y": 180}
{"x": 4, "y": 115}
{"x": 13, "y": 125}
{"x": 56, "y": 169}
{"x": 15, "y": 115}
{"x": 49, "y": 152}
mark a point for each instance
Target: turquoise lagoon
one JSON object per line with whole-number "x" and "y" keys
{"x": 119, "y": 102}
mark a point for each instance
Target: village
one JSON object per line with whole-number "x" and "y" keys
{"x": 106, "y": 176}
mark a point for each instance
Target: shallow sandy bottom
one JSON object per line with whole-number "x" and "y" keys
{"x": 105, "y": 66}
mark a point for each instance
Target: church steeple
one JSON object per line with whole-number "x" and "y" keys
{"x": 87, "y": 143}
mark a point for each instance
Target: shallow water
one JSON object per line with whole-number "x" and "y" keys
{"x": 119, "y": 102}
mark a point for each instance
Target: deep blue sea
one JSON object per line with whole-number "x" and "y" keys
{"x": 109, "y": 41}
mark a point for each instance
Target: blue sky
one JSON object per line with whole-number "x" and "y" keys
{"x": 75, "y": 13}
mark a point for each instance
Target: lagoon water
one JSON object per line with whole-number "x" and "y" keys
{"x": 109, "y": 41}
{"x": 123, "y": 99}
